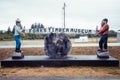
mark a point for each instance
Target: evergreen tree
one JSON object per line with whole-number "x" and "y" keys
{"x": 8, "y": 30}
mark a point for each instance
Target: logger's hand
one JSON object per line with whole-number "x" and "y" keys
{"x": 23, "y": 30}
{"x": 98, "y": 34}
{"x": 22, "y": 35}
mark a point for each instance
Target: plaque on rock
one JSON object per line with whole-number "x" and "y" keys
{"x": 57, "y": 45}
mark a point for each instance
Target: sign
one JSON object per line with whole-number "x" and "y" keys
{"x": 82, "y": 39}
{"x": 60, "y": 30}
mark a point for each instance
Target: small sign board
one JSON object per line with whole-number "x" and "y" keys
{"x": 82, "y": 39}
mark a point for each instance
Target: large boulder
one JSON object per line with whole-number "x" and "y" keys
{"x": 57, "y": 45}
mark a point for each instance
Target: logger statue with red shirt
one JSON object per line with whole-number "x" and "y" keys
{"x": 103, "y": 33}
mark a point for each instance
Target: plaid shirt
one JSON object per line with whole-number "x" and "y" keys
{"x": 104, "y": 29}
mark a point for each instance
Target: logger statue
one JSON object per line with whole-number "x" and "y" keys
{"x": 103, "y": 52}
{"x": 18, "y": 33}
{"x": 57, "y": 45}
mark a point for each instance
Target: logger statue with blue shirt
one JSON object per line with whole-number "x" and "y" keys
{"x": 18, "y": 33}
{"x": 103, "y": 33}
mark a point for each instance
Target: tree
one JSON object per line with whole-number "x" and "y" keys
{"x": 32, "y": 26}
{"x": 1, "y": 32}
{"x": 42, "y": 26}
{"x": 112, "y": 33}
{"x": 8, "y": 30}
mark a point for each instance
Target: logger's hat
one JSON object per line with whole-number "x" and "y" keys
{"x": 18, "y": 20}
{"x": 105, "y": 19}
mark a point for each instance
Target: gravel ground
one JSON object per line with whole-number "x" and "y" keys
{"x": 59, "y": 78}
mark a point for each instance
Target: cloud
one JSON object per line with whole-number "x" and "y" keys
{"x": 80, "y": 13}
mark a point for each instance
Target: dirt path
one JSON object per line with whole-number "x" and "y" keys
{"x": 114, "y": 51}
{"x": 61, "y": 72}
{"x": 58, "y": 78}
{"x": 113, "y": 72}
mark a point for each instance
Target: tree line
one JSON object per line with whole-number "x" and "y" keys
{"x": 9, "y": 35}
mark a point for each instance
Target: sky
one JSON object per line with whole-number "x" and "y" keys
{"x": 82, "y": 14}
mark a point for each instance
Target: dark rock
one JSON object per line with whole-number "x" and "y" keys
{"x": 57, "y": 45}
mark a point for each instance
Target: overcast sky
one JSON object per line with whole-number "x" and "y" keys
{"x": 83, "y": 14}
